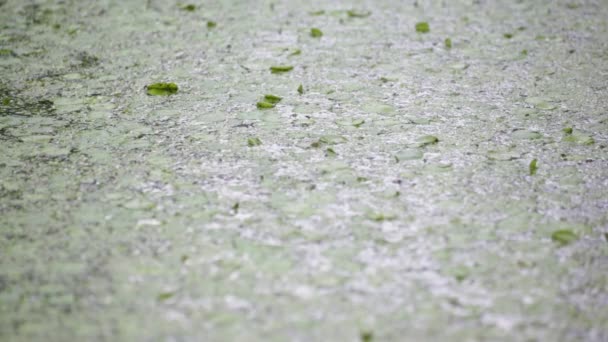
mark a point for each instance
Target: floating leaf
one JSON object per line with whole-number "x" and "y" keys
{"x": 567, "y": 130}
{"x": 300, "y": 89}
{"x": 164, "y": 296}
{"x": 366, "y": 336}
{"x": 161, "y": 89}
{"x": 533, "y": 167}
{"x": 427, "y": 140}
{"x": 508, "y": 35}
{"x": 330, "y": 152}
{"x": 316, "y": 33}
{"x": 423, "y": 27}
{"x": 252, "y": 142}
{"x": 379, "y": 217}
{"x": 265, "y": 105}
{"x": 448, "y": 43}
{"x": 523, "y": 134}
{"x": 564, "y": 236}
{"x": 278, "y": 69}
{"x": 272, "y": 98}
{"x": 211, "y": 24}
{"x": 355, "y": 14}
{"x": 296, "y": 52}
{"x": 189, "y": 8}
{"x": 409, "y": 154}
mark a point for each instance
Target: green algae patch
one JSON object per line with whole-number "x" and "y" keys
{"x": 316, "y": 33}
{"x": 280, "y": 69}
{"x": 253, "y": 142}
{"x": 265, "y": 105}
{"x": 161, "y": 89}
{"x": 423, "y": 27}
{"x": 564, "y": 237}
{"x": 533, "y": 167}
{"x": 508, "y": 35}
{"x": 269, "y": 98}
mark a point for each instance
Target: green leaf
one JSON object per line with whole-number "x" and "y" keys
{"x": 315, "y": 13}
{"x": 564, "y": 237}
{"x": 189, "y": 8}
{"x": 296, "y": 52}
{"x": 356, "y": 14}
{"x": 300, "y": 89}
{"x": 161, "y": 89}
{"x": 316, "y": 33}
{"x": 265, "y": 105}
{"x": 508, "y": 35}
{"x": 567, "y": 130}
{"x": 533, "y": 167}
{"x": 279, "y": 69}
{"x": 366, "y": 336}
{"x": 164, "y": 296}
{"x": 423, "y": 27}
{"x": 330, "y": 152}
{"x": 252, "y": 142}
{"x": 272, "y": 98}
{"x": 448, "y": 43}
{"x": 211, "y": 24}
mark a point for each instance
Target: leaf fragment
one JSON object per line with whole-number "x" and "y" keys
{"x": 272, "y": 98}
{"x": 316, "y": 33}
{"x": 423, "y": 27}
{"x": 564, "y": 237}
{"x": 279, "y": 69}
{"x": 255, "y": 141}
{"x": 161, "y": 89}
{"x": 533, "y": 167}
{"x": 265, "y": 105}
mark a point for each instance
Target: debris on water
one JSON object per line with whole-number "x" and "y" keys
{"x": 316, "y": 33}
{"x": 423, "y": 27}
{"x": 161, "y": 89}
{"x": 279, "y": 69}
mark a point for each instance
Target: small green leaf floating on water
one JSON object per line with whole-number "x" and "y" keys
{"x": 316, "y": 33}
{"x": 164, "y": 296}
{"x": 189, "y": 8}
{"x": 272, "y": 98}
{"x": 279, "y": 69}
{"x": 533, "y": 167}
{"x": 567, "y": 130}
{"x": 448, "y": 43}
{"x": 300, "y": 89}
{"x": 508, "y": 35}
{"x": 296, "y": 52}
{"x": 161, "y": 89}
{"x": 564, "y": 237}
{"x": 211, "y": 24}
{"x": 265, "y": 105}
{"x": 252, "y": 142}
{"x": 423, "y": 27}
{"x": 356, "y": 14}
{"x": 367, "y": 336}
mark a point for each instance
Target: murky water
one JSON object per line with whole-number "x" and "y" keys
{"x": 389, "y": 195}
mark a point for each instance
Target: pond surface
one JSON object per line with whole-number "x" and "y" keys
{"x": 421, "y": 171}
